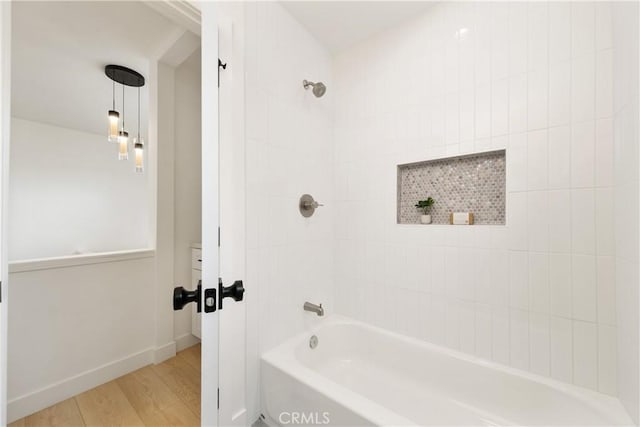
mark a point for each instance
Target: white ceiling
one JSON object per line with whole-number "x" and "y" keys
{"x": 59, "y": 50}
{"x": 341, "y": 24}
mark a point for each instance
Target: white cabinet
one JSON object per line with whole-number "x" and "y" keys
{"x": 196, "y": 275}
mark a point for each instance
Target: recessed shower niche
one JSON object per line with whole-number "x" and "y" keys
{"x": 472, "y": 183}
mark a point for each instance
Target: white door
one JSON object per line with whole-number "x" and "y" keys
{"x": 210, "y": 211}
{"x": 5, "y": 118}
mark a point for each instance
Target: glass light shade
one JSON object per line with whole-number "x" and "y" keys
{"x": 114, "y": 117}
{"x": 139, "y": 150}
{"x": 123, "y": 141}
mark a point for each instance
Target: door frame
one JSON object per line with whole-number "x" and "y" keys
{"x": 5, "y": 137}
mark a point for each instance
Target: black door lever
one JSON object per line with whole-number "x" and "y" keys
{"x": 182, "y": 297}
{"x": 235, "y": 291}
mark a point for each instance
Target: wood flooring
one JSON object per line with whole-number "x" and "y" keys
{"x": 167, "y": 394}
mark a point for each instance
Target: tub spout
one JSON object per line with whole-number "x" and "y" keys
{"x": 317, "y": 309}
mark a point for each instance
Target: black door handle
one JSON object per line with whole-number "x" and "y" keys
{"x": 235, "y": 291}
{"x": 182, "y": 297}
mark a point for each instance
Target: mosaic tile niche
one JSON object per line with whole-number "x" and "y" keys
{"x": 473, "y": 183}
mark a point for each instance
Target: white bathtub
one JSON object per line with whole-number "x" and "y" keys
{"x": 362, "y": 375}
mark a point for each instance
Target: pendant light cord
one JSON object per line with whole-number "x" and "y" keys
{"x": 138, "y": 114}
{"x": 114, "y": 95}
{"x": 123, "y": 107}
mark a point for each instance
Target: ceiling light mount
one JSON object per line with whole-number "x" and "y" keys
{"x": 125, "y": 76}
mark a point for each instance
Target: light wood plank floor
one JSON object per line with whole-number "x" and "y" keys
{"x": 167, "y": 394}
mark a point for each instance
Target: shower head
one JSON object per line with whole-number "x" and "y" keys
{"x": 318, "y": 88}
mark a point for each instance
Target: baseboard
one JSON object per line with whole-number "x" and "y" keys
{"x": 165, "y": 352}
{"x": 186, "y": 341}
{"x": 43, "y": 398}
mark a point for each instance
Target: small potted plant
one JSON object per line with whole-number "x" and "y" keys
{"x": 425, "y": 207}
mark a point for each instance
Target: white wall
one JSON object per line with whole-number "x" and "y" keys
{"x": 625, "y": 101}
{"x": 534, "y": 78}
{"x": 70, "y": 194}
{"x": 187, "y": 177}
{"x": 289, "y": 152}
{"x": 73, "y": 328}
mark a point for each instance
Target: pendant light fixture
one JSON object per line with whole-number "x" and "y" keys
{"x": 123, "y": 137}
{"x": 138, "y": 143}
{"x": 114, "y": 117}
{"x": 126, "y": 77}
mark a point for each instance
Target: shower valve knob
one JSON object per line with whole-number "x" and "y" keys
{"x": 308, "y": 205}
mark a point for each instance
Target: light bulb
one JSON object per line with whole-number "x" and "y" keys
{"x": 114, "y": 117}
{"x": 123, "y": 141}
{"x": 139, "y": 149}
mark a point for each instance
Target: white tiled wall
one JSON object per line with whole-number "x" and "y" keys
{"x": 289, "y": 152}
{"x": 626, "y": 193}
{"x": 536, "y": 79}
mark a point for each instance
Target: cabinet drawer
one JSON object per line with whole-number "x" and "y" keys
{"x": 196, "y": 259}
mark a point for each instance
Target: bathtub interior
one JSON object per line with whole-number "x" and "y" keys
{"x": 420, "y": 383}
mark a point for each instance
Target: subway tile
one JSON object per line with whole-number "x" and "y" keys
{"x": 583, "y": 224}
{"x": 518, "y": 103}
{"x": 583, "y": 88}
{"x": 603, "y": 25}
{"x": 559, "y": 220}
{"x": 517, "y": 38}
{"x": 468, "y": 260}
{"x": 517, "y": 162}
{"x": 500, "y": 107}
{"x": 436, "y": 318}
{"x": 539, "y": 293}
{"x": 500, "y": 278}
{"x": 539, "y": 343}
{"x": 500, "y": 40}
{"x": 606, "y": 283}
{"x": 561, "y": 346}
{"x": 560, "y": 285}
{"x": 538, "y": 220}
{"x": 605, "y": 242}
{"x": 484, "y": 279}
{"x": 537, "y": 160}
{"x": 518, "y": 280}
{"x": 559, "y": 157}
{"x": 583, "y": 154}
{"x": 585, "y": 354}
{"x": 452, "y": 325}
{"x": 482, "y": 112}
{"x": 500, "y": 347}
{"x": 519, "y": 339}
{"x": 583, "y": 286}
{"x": 537, "y": 98}
{"x": 467, "y": 114}
{"x": 482, "y": 324}
{"x": 604, "y": 84}
{"x": 582, "y": 28}
{"x": 560, "y": 93}
{"x": 467, "y": 327}
{"x": 604, "y": 153}
{"x": 537, "y": 28}
{"x": 452, "y": 117}
{"x": 517, "y": 221}
{"x": 559, "y": 31}
{"x": 607, "y": 364}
